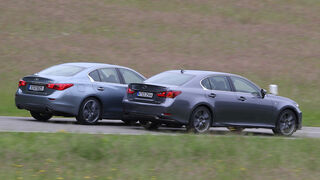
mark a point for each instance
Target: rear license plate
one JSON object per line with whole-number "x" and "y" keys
{"x": 145, "y": 94}
{"x": 35, "y": 88}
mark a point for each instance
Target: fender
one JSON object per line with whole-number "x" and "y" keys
{"x": 287, "y": 107}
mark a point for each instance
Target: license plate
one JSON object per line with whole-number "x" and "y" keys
{"x": 145, "y": 94}
{"x": 35, "y": 88}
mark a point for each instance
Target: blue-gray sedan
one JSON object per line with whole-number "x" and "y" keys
{"x": 87, "y": 91}
{"x": 201, "y": 99}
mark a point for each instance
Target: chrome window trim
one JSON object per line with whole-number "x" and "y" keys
{"x": 204, "y": 88}
{"x": 214, "y": 89}
{"x": 92, "y": 80}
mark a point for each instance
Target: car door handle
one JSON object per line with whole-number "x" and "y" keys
{"x": 241, "y": 98}
{"x": 100, "y": 89}
{"x": 212, "y": 95}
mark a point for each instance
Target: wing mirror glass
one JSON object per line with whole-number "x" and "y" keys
{"x": 263, "y": 93}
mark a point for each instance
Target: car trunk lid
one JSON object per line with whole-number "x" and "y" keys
{"x": 35, "y": 84}
{"x": 147, "y": 93}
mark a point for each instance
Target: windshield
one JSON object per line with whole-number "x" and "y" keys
{"x": 170, "y": 78}
{"x": 62, "y": 70}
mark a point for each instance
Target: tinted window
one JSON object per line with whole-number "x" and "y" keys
{"x": 219, "y": 83}
{"x": 62, "y": 70}
{"x": 109, "y": 75}
{"x": 206, "y": 84}
{"x": 95, "y": 75}
{"x": 130, "y": 76}
{"x": 170, "y": 78}
{"x": 242, "y": 85}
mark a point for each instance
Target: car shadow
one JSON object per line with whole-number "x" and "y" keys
{"x": 136, "y": 126}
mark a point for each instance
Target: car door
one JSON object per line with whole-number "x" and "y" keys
{"x": 220, "y": 96}
{"x": 109, "y": 89}
{"x": 252, "y": 109}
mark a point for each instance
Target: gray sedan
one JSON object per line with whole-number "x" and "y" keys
{"x": 201, "y": 99}
{"x": 87, "y": 91}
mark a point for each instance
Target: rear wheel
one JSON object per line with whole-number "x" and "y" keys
{"x": 200, "y": 120}
{"x": 89, "y": 112}
{"x": 286, "y": 124}
{"x": 149, "y": 125}
{"x": 41, "y": 116}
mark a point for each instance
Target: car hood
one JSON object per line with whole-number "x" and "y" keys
{"x": 280, "y": 98}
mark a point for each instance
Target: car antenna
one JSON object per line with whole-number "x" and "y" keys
{"x": 182, "y": 71}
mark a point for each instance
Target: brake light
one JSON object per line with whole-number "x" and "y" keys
{"x": 22, "y": 83}
{"x": 130, "y": 91}
{"x": 169, "y": 94}
{"x": 59, "y": 86}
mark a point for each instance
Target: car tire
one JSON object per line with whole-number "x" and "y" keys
{"x": 41, "y": 116}
{"x": 89, "y": 112}
{"x": 286, "y": 123}
{"x": 129, "y": 122}
{"x": 149, "y": 125}
{"x": 235, "y": 129}
{"x": 200, "y": 120}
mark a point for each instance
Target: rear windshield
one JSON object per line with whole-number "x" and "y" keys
{"x": 61, "y": 70}
{"x": 170, "y": 78}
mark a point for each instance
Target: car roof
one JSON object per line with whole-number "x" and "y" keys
{"x": 201, "y": 73}
{"x": 91, "y": 65}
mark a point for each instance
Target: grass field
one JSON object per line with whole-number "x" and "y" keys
{"x": 76, "y": 156}
{"x": 270, "y": 42}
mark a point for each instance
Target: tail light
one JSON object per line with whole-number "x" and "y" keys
{"x": 59, "y": 87}
{"x": 169, "y": 94}
{"x": 130, "y": 91}
{"x": 22, "y": 83}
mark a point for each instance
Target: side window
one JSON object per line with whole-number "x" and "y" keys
{"x": 95, "y": 75}
{"x": 130, "y": 76}
{"x": 109, "y": 75}
{"x": 242, "y": 85}
{"x": 206, "y": 84}
{"x": 219, "y": 83}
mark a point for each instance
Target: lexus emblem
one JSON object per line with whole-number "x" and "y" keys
{"x": 144, "y": 87}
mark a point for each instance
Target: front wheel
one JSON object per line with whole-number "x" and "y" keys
{"x": 149, "y": 125}
{"x": 41, "y": 116}
{"x": 200, "y": 120}
{"x": 89, "y": 112}
{"x": 286, "y": 124}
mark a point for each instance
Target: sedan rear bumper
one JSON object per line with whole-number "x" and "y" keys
{"x": 151, "y": 112}
{"x": 45, "y": 104}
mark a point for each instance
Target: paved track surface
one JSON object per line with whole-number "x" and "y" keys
{"x": 25, "y": 124}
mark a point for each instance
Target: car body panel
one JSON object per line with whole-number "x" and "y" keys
{"x": 68, "y": 101}
{"x": 227, "y": 109}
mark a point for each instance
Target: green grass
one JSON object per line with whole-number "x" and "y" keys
{"x": 78, "y": 156}
{"x": 270, "y": 42}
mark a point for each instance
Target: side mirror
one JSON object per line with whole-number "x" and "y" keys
{"x": 263, "y": 93}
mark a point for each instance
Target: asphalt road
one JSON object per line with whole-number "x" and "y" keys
{"x": 25, "y": 124}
